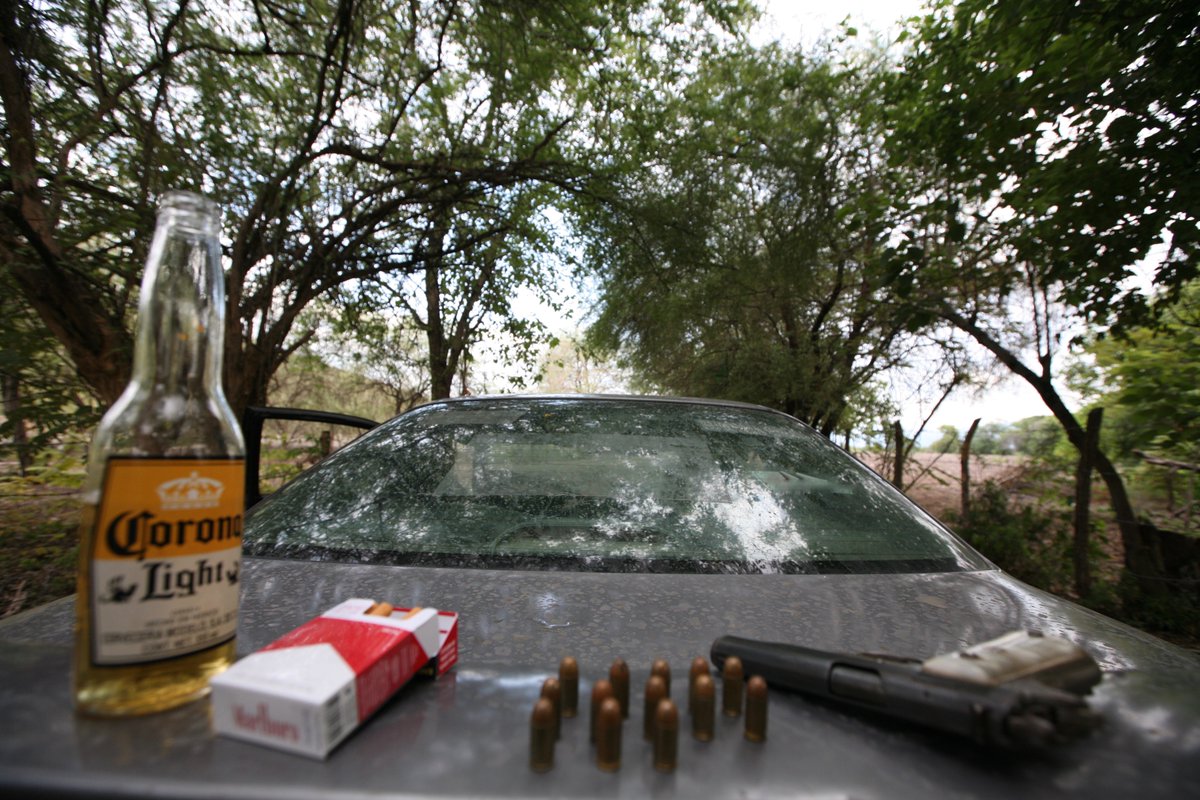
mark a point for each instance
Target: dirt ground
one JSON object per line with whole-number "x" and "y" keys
{"x": 38, "y": 544}
{"x": 936, "y": 484}
{"x": 936, "y": 479}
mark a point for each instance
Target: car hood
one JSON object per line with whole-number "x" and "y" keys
{"x": 467, "y": 734}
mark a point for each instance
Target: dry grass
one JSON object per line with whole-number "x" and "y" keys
{"x": 39, "y": 544}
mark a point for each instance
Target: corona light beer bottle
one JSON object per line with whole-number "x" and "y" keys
{"x": 161, "y": 536}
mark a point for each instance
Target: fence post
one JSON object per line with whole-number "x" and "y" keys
{"x": 898, "y": 464}
{"x": 964, "y": 456}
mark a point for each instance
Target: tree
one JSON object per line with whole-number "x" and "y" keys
{"x": 1071, "y": 126}
{"x": 948, "y": 439}
{"x": 1052, "y": 139}
{"x": 107, "y": 106}
{"x": 1151, "y": 376}
{"x": 313, "y": 123}
{"x": 538, "y": 83}
{"x": 43, "y": 401}
{"x": 743, "y": 257}
{"x": 569, "y": 367}
{"x": 385, "y": 351}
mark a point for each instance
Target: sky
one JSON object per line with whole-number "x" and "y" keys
{"x": 803, "y": 23}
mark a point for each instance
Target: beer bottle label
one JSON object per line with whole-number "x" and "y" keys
{"x": 166, "y": 558}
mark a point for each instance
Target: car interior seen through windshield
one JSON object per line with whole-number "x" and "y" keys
{"x": 602, "y": 485}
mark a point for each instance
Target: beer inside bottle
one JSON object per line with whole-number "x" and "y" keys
{"x": 160, "y": 537}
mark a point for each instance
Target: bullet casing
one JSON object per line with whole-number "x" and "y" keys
{"x": 552, "y": 691}
{"x": 618, "y": 676}
{"x": 704, "y": 709}
{"x": 699, "y": 667}
{"x": 541, "y": 736}
{"x": 608, "y": 735}
{"x": 733, "y": 687}
{"x": 655, "y": 690}
{"x": 662, "y": 668}
{"x": 756, "y": 709}
{"x": 601, "y": 691}
{"x": 666, "y": 736}
{"x": 568, "y": 679}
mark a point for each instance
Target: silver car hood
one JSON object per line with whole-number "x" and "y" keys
{"x": 467, "y": 734}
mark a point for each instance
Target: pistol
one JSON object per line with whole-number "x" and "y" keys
{"x": 1019, "y": 691}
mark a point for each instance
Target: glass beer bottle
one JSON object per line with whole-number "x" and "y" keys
{"x": 160, "y": 539}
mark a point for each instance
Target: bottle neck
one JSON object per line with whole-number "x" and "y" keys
{"x": 181, "y": 310}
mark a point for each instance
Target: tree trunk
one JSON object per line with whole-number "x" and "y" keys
{"x": 1083, "y": 500}
{"x": 441, "y": 374}
{"x": 964, "y": 457}
{"x": 1140, "y": 557}
{"x": 898, "y": 463}
{"x": 98, "y": 344}
{"x": 10, "y": 387}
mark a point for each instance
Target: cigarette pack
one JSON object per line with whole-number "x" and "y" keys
{"x": 310, "y": 688}
{"x": 447, "y": 647}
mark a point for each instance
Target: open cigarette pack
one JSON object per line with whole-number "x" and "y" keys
{"x": 310, "y": 688}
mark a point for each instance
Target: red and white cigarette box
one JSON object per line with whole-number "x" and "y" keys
{"x": 306, "y": 691}
{"x": 447, "y": 649}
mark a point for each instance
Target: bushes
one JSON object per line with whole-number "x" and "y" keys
{"x": 1029, "y": 543}
{"x": 1032, "y": 542}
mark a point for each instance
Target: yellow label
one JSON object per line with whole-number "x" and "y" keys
{"x": 164, "y": 508}
{"x": 165, "y": 558}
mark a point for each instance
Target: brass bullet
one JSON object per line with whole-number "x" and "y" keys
{"x": 618, "y": 675}
{"x": 666, "y": 736}
{"x": 541, "y": 736}
{"x": 704, "y": 708}
{"x": 699, "y": 667}
{"x": 608, "y": 736}
{"x": 601, "y": 691}
{"x": 568, "y": 679}
{"x": 655, "y": 690}
{"x": 733, "y": 687}
{"x": 552, "y": 691}
{"x": 756, "y": 709}
{"x": 662, "y": 669}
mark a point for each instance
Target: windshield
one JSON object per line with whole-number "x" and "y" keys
{"x": 603, "y": 485}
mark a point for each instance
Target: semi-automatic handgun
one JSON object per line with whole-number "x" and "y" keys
{"x": 1020, "y": 690}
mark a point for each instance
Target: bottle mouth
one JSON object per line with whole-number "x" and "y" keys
{"x": 192, "y": 209}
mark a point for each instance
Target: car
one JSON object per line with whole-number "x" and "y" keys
{"x": 604, "y": 528}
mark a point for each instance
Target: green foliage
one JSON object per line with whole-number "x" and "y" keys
{"x": 1151, "y": 375}
{"x": 1059, "y": 133}
{"x": 1036, "y": 437}
{"x": 1046, "y": 144}
{"x": 38, "y": 543}
{"x": 948, "y": 441}
{"x": 349, "y": 142}
{"x": 741, "y": 254}
{"x": 1172, "y": 614}
{"x": 568, "y": 367}
{"x": 44, "y": 402}
{"x": 309, "y": 381}
{"x": 1029, "y": 543}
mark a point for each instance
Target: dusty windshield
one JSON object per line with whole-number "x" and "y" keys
{"x": 606, "y": 485}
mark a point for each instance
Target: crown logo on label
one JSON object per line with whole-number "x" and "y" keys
{"x": 191, "y": 492}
